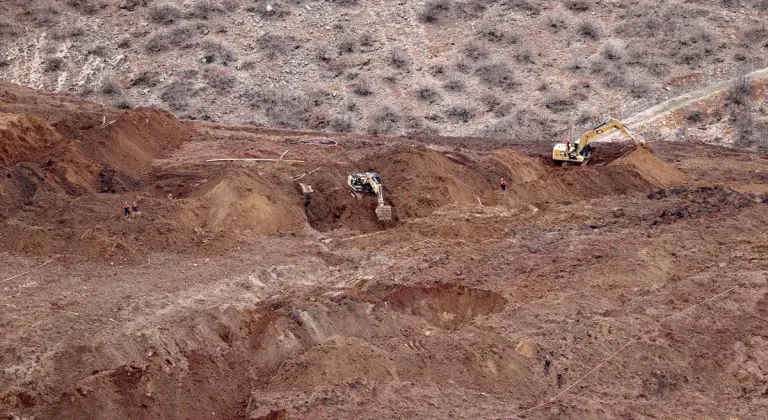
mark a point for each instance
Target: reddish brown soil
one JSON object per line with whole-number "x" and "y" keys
{"x": 226, "y": 298}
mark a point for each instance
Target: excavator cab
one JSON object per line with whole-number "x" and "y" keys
{"x": 370, "y": 183}
{"x": 561, "y": 153}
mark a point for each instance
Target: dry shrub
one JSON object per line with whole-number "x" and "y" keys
{"x": 427, "y": 93}
{"x": 44, "y": 17}
{"x": 533, "y": 7}
{"x": 131, "y": 5}
{"x": 362, "y": 87}
{"x": 215, "y": 52}
{"x": 164, "y": 14}
{"x": 490, "y": 101}
{"x": 435, "y": 11}
{"x": 323, "y": 54}
{"x": 614, "y": 78}
{"x": 438, "y": 70}
{"x": 463, "y": 65}
{"x": 220, "y": 78}
{"x": 342, "y": 124}
{"x": 577, "y": 5}
{"x": 399, "y": 59}
{"x": 639, "y": 89}
{"x": 524, "y": 56}
{"x": 474, "y": 51}
{"x": 455, "y": 84}
{"x": 86, "y": 7}
{"x": 588, "y": 29}
{"x": 204, "y": 9}
{"x": 156, "y": 44}
{"x": 558, "y": 102}
{"x": 147, "y": 78}
{"x": 749, "y": 133}
{"x": 459, "y": 112}
{"x": 346, "y": 3}
{"x": 367, "y": 40}
{"x": 497, "y": 34}
{"x": 384, "y": 120}
{"x": 346, "y": 45}
{"x": 319, "y": 119}
{"x": 177, "y": 95}
{"x": 124, "y": 42}
{"x": 286, "y": 109}
{"x": 52, "y": 64}
{"x": 739, "y": 92}
{"x": 497, "y": 75}
{"x": 555, "y": 21}
{"x": 576, "y": 65}
{"x": 109, "y": 86}
{"x": 611, "y": 51}
{"x": 274, "y": 46}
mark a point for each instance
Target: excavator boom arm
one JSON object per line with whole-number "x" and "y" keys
{"x": 371, "y": 182}
{"x": 612, "y": 124}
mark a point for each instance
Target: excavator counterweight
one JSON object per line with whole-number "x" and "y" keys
{"x": 370, "y": 183}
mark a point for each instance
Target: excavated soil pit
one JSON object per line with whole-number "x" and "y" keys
{"x": 333, "y": 207}
{"x": 447, "y": 306}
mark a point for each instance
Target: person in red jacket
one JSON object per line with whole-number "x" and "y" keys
{"x": 503, "y": 184}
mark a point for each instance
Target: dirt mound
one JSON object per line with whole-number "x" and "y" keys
{"x": 446, "y": 305}
{"x": 517, "y": 168}
{"x": 652, "y": 169}
{"x": 134, "y": 140}
{"x": 570, "y": 184}
{"x": 23, "y": 138}
{"x": 237, "y": 201}
{"x": 126, "y": 140}
{"x": 334, "y": 362}
{"x": 418, "y": 180}
{"x": 60, "y": 160}
{"x": 683, "y": 203}
{"x": 633, "y": 172}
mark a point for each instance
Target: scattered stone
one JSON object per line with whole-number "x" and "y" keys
{"x": 526, "y": 349}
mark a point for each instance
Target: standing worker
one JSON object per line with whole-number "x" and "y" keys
{"x": 135, "y": 208}
{"x": 503, "y": 184}
{"x": 126, "y": 209}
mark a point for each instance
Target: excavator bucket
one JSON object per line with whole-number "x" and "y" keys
{"x": 384, "y": 213}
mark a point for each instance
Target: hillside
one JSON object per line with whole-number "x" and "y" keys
{"x": 524, "y": 69}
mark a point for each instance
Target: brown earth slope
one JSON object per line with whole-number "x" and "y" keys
{"x": 224, "y": 297}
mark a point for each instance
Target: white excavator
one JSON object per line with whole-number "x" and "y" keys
{"x": 370, "y": 183}
{"x": 579, "y": 153}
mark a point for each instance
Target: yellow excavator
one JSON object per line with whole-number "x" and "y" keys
{"x": 579, "y": 153}
{"x": 370, "y": 183}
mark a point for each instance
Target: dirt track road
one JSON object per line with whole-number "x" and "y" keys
{"x": 656, "y": 112}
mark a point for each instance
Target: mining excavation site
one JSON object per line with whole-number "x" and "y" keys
{"x": 630, "y": 288}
